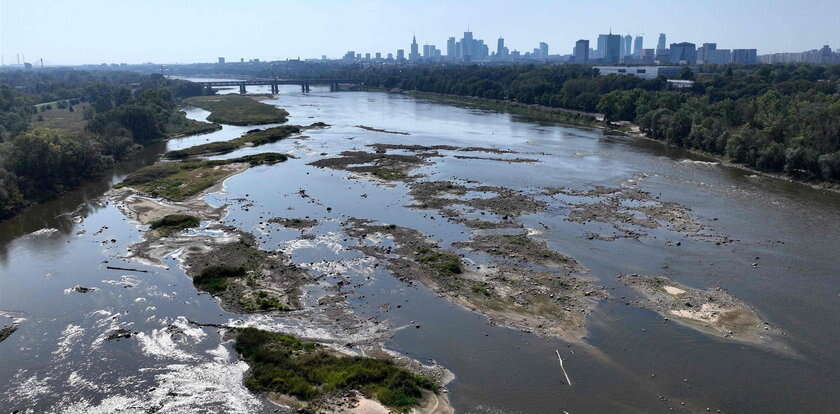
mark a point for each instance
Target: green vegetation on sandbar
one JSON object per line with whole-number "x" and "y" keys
{"x": 179, "y": 180}
{"x": 252, "y": 138}
{"x": 444, "y": 263}
{"x": 214, "y": 279}
{"x": 238, "y": 110}
{"x": 286, "y": 365}
{"x": 181, "y": 126}
{"x": 174, "y": 223}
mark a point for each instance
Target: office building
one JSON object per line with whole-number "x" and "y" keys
{"x": 601, "y": 49}
{"x": 627, "y": 45}
{"x": 581, "y": 53}
{"x": 543, "y": 50}
{"x": 612, "y": 51}
{"x": 221, "y": 61}
{"x": 661, "y": 44}
{"x": 644, "y": 72}
{"x": 747, "y": 56}
{"x": 450, "y": 48}
{"x": 684, "y": 53}
{"x": 638, "y": 45}
{"x": 400, "y": 55}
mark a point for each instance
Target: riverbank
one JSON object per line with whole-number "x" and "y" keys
{"x": 593, "y": 120}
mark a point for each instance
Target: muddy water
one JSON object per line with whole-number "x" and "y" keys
{"x": 783, "y": 263}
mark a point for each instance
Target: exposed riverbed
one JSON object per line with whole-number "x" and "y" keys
{"x": 576, "y": 207}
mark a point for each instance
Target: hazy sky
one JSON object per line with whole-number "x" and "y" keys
{"x": 170, "y": 31}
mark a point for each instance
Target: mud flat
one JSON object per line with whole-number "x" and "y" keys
{"x": 632, "y": 213}
{"x": 552, "y": 302}
{"x": 384, "y": 131}
{"x": 711, "y": 311}
{"x": 396, "y": 167}
{"x": 504, "y": 202}
{"x": 7, "y": 331}
{"x": 294, "y": 223}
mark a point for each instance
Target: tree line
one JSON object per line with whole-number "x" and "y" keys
{"x": 783, "y": 118}
{"x": 123, "y": 111}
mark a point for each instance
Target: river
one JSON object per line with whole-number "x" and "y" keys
{"x": 782, "y": 261}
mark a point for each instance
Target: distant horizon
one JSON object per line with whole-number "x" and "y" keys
{"x": 161, "y": 33}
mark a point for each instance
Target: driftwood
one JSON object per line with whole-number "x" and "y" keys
{"x": 564, "y": 369}
{"x": 127, "y": 269}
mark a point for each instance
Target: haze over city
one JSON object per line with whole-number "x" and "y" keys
{"x": 70, "y": 32}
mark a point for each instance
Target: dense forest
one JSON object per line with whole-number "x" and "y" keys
{"x": 121, "y": 111}
{"x": 772, "y": 118}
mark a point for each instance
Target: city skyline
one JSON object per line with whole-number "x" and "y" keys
{"x": 331, "y": 28}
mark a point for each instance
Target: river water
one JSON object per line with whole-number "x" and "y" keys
{"x": 783, "y": 263}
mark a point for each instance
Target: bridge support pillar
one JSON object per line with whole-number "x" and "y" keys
{"x": 242, "y": 89}
{"x": 307, "y": 86}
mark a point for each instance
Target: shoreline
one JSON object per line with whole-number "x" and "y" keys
{"x": 498, "y": 105}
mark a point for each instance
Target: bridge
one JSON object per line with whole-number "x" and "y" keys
{"x": 275, "y": 83}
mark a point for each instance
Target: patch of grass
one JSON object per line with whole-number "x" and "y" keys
{"x": 214, "y": 279}
{"x": 180, "y": 126}
{"x": 238, "y": 110}
{"x": 262, "y": 302}
{"x": 62, "y": 119}
{"x": 443, "y": 263}
{"x": 178, "y": 181}
{"x": 253, "y": 138}
{"x": 286, "y": 365}
{"x": 389, "y": 174}
{"x": 174, "y": 223}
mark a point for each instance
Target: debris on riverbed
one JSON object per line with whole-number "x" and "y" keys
{"x": 7, "y": 331}
{"x": 294, "y": 223}
{"x": 631, "y": 212}
{"x": 712, "y": 311}
{"x": 385, "y": 131}
{"x": 445, "y": 196}
{"x": 245, "y": 278}
{"x": 511, "y": 294}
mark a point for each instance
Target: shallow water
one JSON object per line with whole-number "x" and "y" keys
{"x": 58, "y": 360}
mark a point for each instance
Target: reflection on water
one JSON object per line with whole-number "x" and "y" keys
{"x": 783, "y": 263}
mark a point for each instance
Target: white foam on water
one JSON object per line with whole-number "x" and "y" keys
{"x": 166, "y": 342}
{"x": 69, "y": 337}
{"x": 331, "y": 240}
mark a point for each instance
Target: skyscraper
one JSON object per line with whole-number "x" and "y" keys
{"x": 581, "y": 51}
{"x": 601, "y": 51}
{"x": 543, "y": 49}
{"x": 611, "y": 51}
{"x": 500, "y": 47}
{"x": 415, "y": 50}
{"x": 627, "y": 46}
{"x": 467, "y": 46}
{"x": 400, "y": 55}
{"x": 661, "y": 44}
{"x": 450, "y": 48}
{"x": 638, "y": 45}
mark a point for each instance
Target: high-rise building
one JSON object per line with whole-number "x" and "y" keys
{"x": 543, "y": 50}
{"x": 661, "y": 44}
{"x": 638, "y": 45}
{"x": 684, "y": 53}
{"x": 401, "y": 55}
{"x": 581, "y": 51}
{"x": 627, "y": 45}
{"x": 601, "y": 50}
{"x": 748, "y": 56}
{"x": 467, "y": 46}
{"x": 612, "y": 51}
{"x": 500, "y": 47}
{"x": 414, "y": 55}
{"x": 221, "y": 61}
{"x": 450, "y": 48}
{"x": 378, "y": 55}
